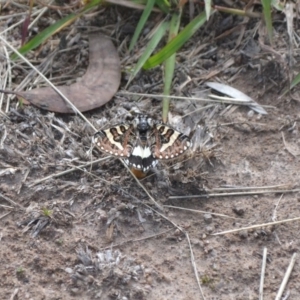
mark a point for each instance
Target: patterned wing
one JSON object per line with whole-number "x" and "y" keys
{"x": 141, "y": 158}
{"x": 115, "y": 140}
{"x": 169, "y": 143}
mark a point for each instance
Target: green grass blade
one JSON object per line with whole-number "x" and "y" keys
{"x": 170, "y": 65}
{"x": 268, "y": 18}
{"x": 294, "y": 82}
{"x": 141, "y": 24}
{"x": 51, "y": 30}
{"x": 207, "y": 8}
{"x": 174, "y": 45}
{"x": 164, "y": 5}
{"x": 278, "y": 4}
{"x": 158, "y": 35}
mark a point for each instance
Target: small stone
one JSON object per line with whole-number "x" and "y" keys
{"x": 195, "y": 242}
{"x": 209, "y": 229}
{"x": 207, "y": 218}
{"x": 238, "y": 210}
{"x": 250, "y": 114}
{"x": 74, "y": 291}
{"x": 69, "y": 270}
{"x": 243, "y": 234}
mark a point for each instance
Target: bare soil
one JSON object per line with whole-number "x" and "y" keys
{"x": 93, "y": 233}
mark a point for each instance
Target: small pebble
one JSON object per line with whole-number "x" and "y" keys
{"x": 209, "y": 229}
{"x": 207, "y": 218}
{"x": 238, "y": 210}
{"x": 243, "y": 234}
{"x": 69, "y": 270}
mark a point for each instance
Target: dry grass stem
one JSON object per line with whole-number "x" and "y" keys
{"x": 22, "y": 20}
{"x": 286, "y": 277}
{"x": 45, "y": 8}
{"x": 11, "y": 201}
{"x": 257, "y": 226}
{"x": 145, "y": 190}
{"x": 66, "y": 171}
{"x": 190, "y": 246}
{"x": 262, "y": 275}
{"x": 6, "y": 81}
{"x": 14, "y": 294}
{"x": 222, "y": 101}
{"x": 6, "y": 206}
{"x": 274, "y": 215}
{"x": 49, "y": 82}
{"x": 3, "y": 216}
{"x": 201, "y": 212}
{"x": 249, "y": 188}
{"x": 194, "y": 265}
{"x": 210, "y": 195}
{"x": 287, "y": 147}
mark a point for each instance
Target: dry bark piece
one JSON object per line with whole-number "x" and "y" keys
{"x": 96, "y": 87}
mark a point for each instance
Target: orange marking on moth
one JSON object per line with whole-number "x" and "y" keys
{"x": 139, "y": 174}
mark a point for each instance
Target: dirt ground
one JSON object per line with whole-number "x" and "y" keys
{"x": 93, "y": 233}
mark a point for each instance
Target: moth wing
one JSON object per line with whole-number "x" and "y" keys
{"x": 169, "y": 143}
{"x": 141, "y": 157}
{"x": 115, "y": 140}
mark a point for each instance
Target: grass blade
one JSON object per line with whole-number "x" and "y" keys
{"x": 164, "y": 5}
{"x": 268, "y": 19}
{"x": 170, "y": 65}
{"x": 294, "y": 82}
{"x": 141, "y": 24}
{"x": 158, "y": 35}
{"x": 174, "y": 45}
{"x": 51, "y": 30}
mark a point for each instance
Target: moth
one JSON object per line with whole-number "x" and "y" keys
{"x": 142, "y": 141}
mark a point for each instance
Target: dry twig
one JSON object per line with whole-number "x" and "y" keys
{"x": 11, "y": 201}
{"x": 286, "y": 277}
{"x": 262, "y": 275}
{"x": 66, "y": 171}
{"x": 257, "y": 226}
{"x": 209, "y": 195}
{"x": 201, "y": 211}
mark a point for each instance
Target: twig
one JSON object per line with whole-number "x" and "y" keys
{"x": 286, "y": 146}
{"x": 201, "y": 212}
{"x": 194, "y": 99}
{"x": 262, "y": 276}
{"x": 11, "y": 201}
{"x": 249, "y": 188}
{"x": 14, "y": 294}
{"x": 274, "y": 215}
{"x": 234, "y": 194}
{"x": 66, "y": 171}
{"x": 3, "y": 216}
{"x": 286, "y": 277}
{"x": 6, "y": 206}
{"x": 257, "y": 226}
{"x": 194, "y": 265}
{"x": 3, "y": 137}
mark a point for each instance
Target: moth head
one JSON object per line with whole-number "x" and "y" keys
{"x": 142, "y": 122}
